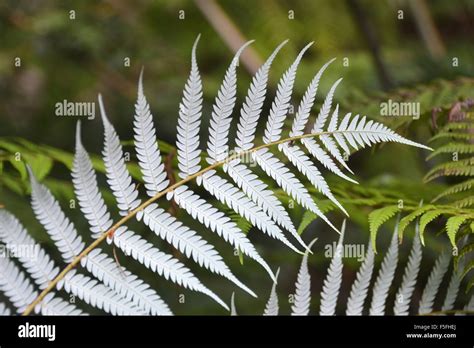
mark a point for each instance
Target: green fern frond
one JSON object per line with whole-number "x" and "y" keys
{"x": 425, "y": 219}
{"x": 461, "y": 187}
{"x": 377, "y": 218}
{"x": 405, "y": 221}
{"x": 464, "y": 167}
{"x": 453, "y": 135}
{"x": 306, "y": 220}
{"x": 461, "y": 148}
{"x": 452, "y": 227}
{"x": 465, "y": 202}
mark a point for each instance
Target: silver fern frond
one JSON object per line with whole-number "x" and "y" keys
{"x": 361, "y": 285}
{"x": 434, "y": 281}
{"x": 405, "y": 292}
{"x": 272, "y": 308}
{"x": 385, "y": 277}
{"x": 333, "y": 280}
{"x": 245, "y": 192}
{"x": 302, "y": 298}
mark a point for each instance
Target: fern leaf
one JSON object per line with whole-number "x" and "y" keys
{"x": 333, "y": 280}
{"x": 461, "y": 148}
{"x": 21, "y": 292}
{"x": 304, "y": 164}
{"x": 4, "y": 310}
{"x": 252, "y": 107}
{"x": 125, "y": 283}
{"x": 281, "y": 102}
{"x": 212, "y": 218}
{"x": 240, "y": 203}
{"x": 233, "y": 310}
{"x": 425, "y": 219}
{"x": 306, "y": 220}
{"x": 315, "y": 150}
{"x": 118, "y": 176}
{"x": 360, "y": 133}
{"x": 452, "y": 292}
{"x": 39, "y": 266}
{"x": 51, "y": 216}
{"x": 325, "y": 108}
{"x": 303, "y": 287}
{"x": 464, "y": 167}
{"x": 434, "y": 281}
{"x": 159, "y": 262}
{"x": 83, "y": 173}
{"x": 331, "y": 146}
{"x": 465, "y": 202}
{"x": 406, "y": 220}
{"x": 288, "y": 182}
{"x": 87, "y": 190}
{"x": 188, "y": 242}
{"x": 272, "y": 308}
{"x": 307, "y": 102}
{"x": 260, "y": 194}
{"x": 57, "y": 306}
{"x": 189, "y": 120}
{"x": 377, "y": 218}
{"x": 385, "y": 277}
{"x": 360, "y": 287}
{"x": 217, "y": 146}
{"x": 16, "y": 286}
{"x": 452, "y": 227}
{"x": 98, "y": 295}
{"x": 146, "y": 145}
{"x": 405, "y": 292}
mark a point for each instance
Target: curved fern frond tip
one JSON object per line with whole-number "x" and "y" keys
{"x": 246, "y": 193}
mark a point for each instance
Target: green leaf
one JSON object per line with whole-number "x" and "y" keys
{"x": 40, "y": 165}
{"x": 306, "y": 220}
{"x": 452, "y": 227}
{"x": 425, "y": 219}
{"x": 452, "y": 147}
{"x": 19, "y": 166}
{"x": 406, "y": 220}
{"x": 377, "y": 218}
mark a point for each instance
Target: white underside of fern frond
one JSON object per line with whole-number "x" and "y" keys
{"x": 97, "y": 294}
{"x": 216, "y": 220}
{"x": 333, "y": 280}
{"x": 385, "y": 277}
{"x": 188, "y": 242}
{"x": 258, "y": 191}
{"x": 39, "y": 265}
{"x": 159, "y": 262}
{"x": 302, "y": 297}
{"x": 289, "y": 183}
{"x": 125, "y": 283}
{"x": 272, "y": 308}
{"x": 235, "y": 199}
{"x": 405, "y": 292}
{"x": 434, "y": 281}
{"x": 4, "y": 310}
{"x": 361, "y": 285}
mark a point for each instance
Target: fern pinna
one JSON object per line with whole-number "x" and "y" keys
{"x": 369, "y": 294}
{"x": 104, "y": 283}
